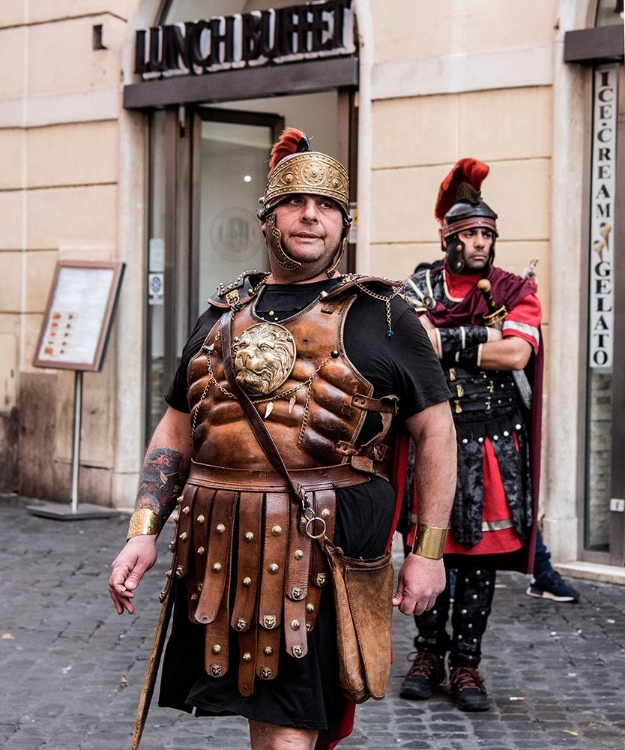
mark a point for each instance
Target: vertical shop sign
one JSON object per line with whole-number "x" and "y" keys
{"x": 602, "y": 217}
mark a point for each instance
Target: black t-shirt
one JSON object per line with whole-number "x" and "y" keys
{"x": 403, "y": 364}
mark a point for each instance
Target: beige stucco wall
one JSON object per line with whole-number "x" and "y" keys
{"x": 426, "y": 29}
{"x": 415, "y": 143}
{"x": 59, "y": 134}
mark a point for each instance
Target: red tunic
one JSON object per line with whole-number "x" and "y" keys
{"x": 528, "y": 313}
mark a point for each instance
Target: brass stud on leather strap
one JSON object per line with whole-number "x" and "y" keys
{"x": 274, "y": 568}
{"x": 201, "y": 551}
{"x": 276, "y": 530}
{"x": 268, "y": 651}
{"x": 249, "y": 537}
{"x": 298, "y": 554}
{"x": 247, "y": 581}
{"x": 247, "y": 657}
{"x": 217, "y": 567}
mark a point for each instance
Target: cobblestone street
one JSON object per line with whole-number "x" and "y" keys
{"x": 71, "y": 670}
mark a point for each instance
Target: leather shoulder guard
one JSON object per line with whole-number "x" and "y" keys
{"x": 244, "y": 286}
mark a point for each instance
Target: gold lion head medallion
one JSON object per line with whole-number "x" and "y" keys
{"x": 264, "y": 356}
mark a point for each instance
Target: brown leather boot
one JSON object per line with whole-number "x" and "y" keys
{"x": 426, "y": 673}
{"x": 467, "y": 689}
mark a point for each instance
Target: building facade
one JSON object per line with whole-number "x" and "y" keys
{"x": 138, "y": 131}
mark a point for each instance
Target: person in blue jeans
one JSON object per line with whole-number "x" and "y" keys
{"x": 547, "y": 583}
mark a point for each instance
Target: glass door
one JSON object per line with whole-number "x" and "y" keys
{"x": 208, "y": 168}
{"x": 230, "y": 166}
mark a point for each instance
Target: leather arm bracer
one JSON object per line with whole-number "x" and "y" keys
{"x": 460, "y": 338}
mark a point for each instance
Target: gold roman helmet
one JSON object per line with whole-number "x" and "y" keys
{"x": 296, "y": 169}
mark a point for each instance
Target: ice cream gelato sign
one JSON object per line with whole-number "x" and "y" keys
{"x": 294, "y": 33}
{"x": 602, "y": 218}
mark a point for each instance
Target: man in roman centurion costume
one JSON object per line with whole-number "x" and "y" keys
{"x": 279, "y": 432}
{"x": 484, "y": 325}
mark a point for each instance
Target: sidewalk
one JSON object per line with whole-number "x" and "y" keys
{"x": 71, "y": 669}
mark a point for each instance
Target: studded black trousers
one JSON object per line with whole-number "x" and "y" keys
{"x": 469, "y": 594}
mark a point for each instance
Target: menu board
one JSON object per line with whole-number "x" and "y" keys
{"x": 77, "y": 320}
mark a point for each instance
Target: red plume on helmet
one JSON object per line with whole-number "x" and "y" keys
{"x": 292, "y": 141}
{"x": 463, "y": 183}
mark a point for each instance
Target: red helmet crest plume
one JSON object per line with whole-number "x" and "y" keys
{"x": 462, "y": 183}
{"x": 292, "y": 141}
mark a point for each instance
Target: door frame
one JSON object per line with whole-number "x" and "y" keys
{"x": 215, "y": 114}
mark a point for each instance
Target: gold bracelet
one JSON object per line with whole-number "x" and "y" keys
{"x": 429, "y": 541}
{"x": 143, "y": 521}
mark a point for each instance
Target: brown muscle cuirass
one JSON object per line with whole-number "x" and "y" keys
{"x": 241, "y": 544}
{"x": 314, "y": 417}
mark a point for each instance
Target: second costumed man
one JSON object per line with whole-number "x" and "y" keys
{"x": 484, "y": 325}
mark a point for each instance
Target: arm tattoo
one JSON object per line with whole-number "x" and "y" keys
{"x": 164, "y": 475}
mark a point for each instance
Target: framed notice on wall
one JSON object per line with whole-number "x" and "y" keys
{"x": 78, "y": 316}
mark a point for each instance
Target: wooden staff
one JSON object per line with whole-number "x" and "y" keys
{"x": 153, "y": 663}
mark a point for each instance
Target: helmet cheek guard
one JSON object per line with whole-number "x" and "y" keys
{"x": 454, "y": 250}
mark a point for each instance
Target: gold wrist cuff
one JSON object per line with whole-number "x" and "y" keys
{"x": 143, "y": 521}
{"x": 429, "y": 541}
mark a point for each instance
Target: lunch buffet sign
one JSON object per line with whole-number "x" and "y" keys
{"x": 259, "y": 38}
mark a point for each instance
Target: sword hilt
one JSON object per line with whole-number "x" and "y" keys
{"x": 495, "y": 314}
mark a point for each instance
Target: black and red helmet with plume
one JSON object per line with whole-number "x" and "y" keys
{"x": 459, "y": 204}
